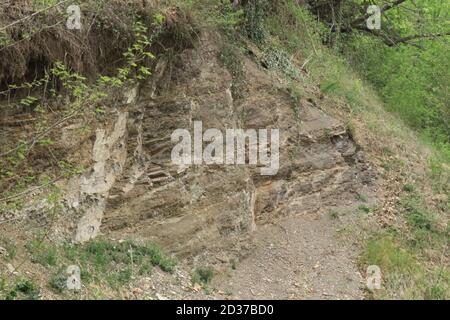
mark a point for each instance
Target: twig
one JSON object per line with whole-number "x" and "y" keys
{"x": 32, "y": 15}
{"x": 32, "y": 35}
{"x": 306, "y": 62}
{"x": 40, "y": 135}
{"x": 9, "y": 220}
{"x": 20, "y": 194}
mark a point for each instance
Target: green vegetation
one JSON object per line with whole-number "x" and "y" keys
{"x": 58, "y": 281}
{"x": 406, "y": 64}
{"x": 41, "y": 4}
{"x": 23, "y": 289}
{"x": 413, "y": 83}
{"x": 42, "y": 253}
{"x": 10, "y": 248}
{"x": 115, "y": 263}
{"x": 101, "y": 262}
{"x": 411, "y": 261}
{"x": 424, "y": 225}
{"x": 404, "y": 275}
{"x": 364, "y": 208}
{"x": 202, "y": 275}
{"x": 85, "y": 100}
{"x": 231, "y": 59}
{"x": 334, "y": 214}
{"x": 412, "y": 79}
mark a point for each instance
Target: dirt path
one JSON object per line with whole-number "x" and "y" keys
{"x": 302, "y": 257}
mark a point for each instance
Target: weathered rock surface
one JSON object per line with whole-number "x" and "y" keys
{"x": 134, "y": 189}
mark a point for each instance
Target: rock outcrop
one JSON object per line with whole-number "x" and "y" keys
{"x": 135, "y": 190}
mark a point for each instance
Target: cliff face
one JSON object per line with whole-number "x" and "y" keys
{"x": 134, "y": 190}
{"x": 87, "y": 177}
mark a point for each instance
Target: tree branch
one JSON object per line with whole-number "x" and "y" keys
{"x": 394, "y": 40}
{"x": 418, "y": 36}
{"x": 32, "y": 15}
{"x": 386, "y": 7}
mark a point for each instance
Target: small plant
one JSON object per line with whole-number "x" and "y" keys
{"x": 24, "y": 289}
{"x": 254, "y": 24}
{"x": 58, "y": 281}
{"x": 364, "y": 208}
{"x": 100, "y": 261}
{"x": 334, "y": 214}
{"x": 10, "y": 247}
{"x": 277, "y": 58}
{"x": 3, "y": 287}
{"x": 28, "y": 101}
{"x": 233, "y": 62}
{"x": 42, "y": 253}
{"x": 351, "y": 130}
{"x": 386, "y": 254}
{"x": 409, "y": 187}
{"x": 296, "y": 93}
{"x": 438, "y": 285}
{"x": 5, "y": 39}
{"x": 416, "y": 214}
{"x": 361, "y": 197}
{"x": 404, "y": 276}
{"x": 225, "y": 17}
{"x": 202, "y": 275}
{"x": 70, "y": 169}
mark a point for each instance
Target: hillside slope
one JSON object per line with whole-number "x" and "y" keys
{"x": 104, "y": 190}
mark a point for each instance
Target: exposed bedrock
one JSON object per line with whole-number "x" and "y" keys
{"x": 135, "y": 190}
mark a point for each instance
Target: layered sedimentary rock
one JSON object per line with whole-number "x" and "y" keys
{"x": 135, "y": 190}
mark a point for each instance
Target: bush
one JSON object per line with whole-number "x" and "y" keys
{"x": 202, "y": 275}
{"x": 24, "y": 289}
{"x": 58, "y": 281}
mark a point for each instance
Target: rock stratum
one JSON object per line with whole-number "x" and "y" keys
{"x": 132, "y": 188}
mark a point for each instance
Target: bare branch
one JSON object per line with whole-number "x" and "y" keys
{"x": 32, "y": 15}
{"x": 418, "y": 36}
{"x": 391, "y": 41}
